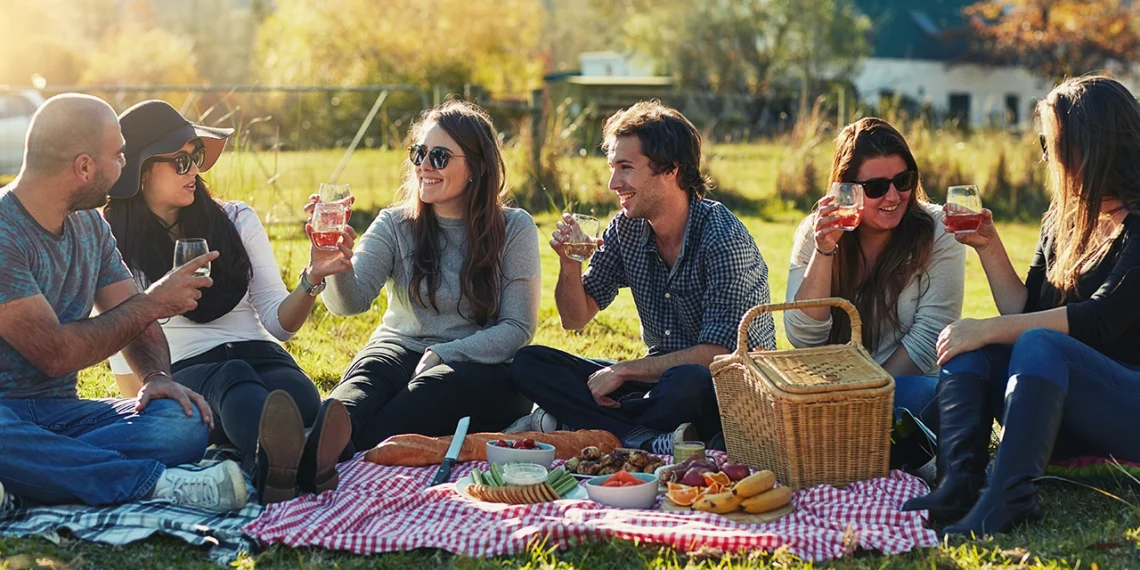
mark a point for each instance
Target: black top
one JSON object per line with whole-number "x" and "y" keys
{"x": 1105, "y": 312}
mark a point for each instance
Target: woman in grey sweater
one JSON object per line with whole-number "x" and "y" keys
{"x": 462, "y": 274}
{"x": 899, "y": 267}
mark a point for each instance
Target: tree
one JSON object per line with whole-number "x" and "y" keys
{"x": 137, "y": 52}
{"x": 420, "y": 42}
{"x": 1057, "y": 38}
{"x": 747, "y": 47}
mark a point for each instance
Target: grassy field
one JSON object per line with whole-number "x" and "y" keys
{"x": 1084, "y": 528}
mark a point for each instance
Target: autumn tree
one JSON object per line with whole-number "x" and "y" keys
{"x": 1057, "y": 38}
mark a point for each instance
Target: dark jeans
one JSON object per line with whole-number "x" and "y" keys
{"x": 98, "y": 452}
{"x": 556, "y": 381}
{"x": 1102, "y": 395}
{"x": 236, "y": 378}
{"x": 384, "y": 399}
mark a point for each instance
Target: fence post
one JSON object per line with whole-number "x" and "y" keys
{"x": 537, "y": 136}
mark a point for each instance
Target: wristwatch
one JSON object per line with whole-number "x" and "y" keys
{"x": 312, "y": 290}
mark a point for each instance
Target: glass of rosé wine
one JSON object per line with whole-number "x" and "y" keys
{"x": 329, "y": 219}
{"x": 849, "y": 204}
{"x": 964, "y": 209}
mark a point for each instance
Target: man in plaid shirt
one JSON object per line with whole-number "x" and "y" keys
{"x": 693, "y": 269}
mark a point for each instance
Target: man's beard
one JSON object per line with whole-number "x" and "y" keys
{"x": 91, "y": 195}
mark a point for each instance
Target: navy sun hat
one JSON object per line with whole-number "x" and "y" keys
{"x": 155, "y": 127}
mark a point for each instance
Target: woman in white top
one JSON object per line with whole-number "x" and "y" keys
{"x": 228, "y": 348}
{"x": 899, "y": 267}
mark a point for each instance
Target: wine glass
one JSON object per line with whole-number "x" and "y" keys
{"x": 329, "y": 219}
{"x": 186, "y": 250}
{"x": 849, "y": 203}
{"x": 583, "y": 237}
{"x": 964, "y": 209}
{"x": 333, "y": 192}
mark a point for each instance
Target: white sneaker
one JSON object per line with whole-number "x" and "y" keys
{"x": 542, "y": 421}
{"x": 219, "y": 488}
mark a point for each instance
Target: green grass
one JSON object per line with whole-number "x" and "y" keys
{"x": 1084, "y": 527}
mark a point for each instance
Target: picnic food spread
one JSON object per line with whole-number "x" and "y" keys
{"x": 412, "y": 450}
{"x": 594, "y": 460}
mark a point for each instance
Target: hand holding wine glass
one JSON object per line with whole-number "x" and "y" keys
{"x": 970, "y": 223}
{"x": 179, "y": 290}
{"x": 188, "y": 249}
{"x": 576, "y": 238}
{"x": 827, "y": 231}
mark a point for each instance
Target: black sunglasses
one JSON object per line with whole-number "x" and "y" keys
{"x": 183, "y": 160}
{"x": 904, "y": 181}
{"x": 438, "y": 156}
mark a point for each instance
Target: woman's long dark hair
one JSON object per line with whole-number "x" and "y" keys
{"x": 147, "y": 246}
{"x": 907, "y": 251}
{"x": 1092, "y": 132}
{"x": 481, "y": 276}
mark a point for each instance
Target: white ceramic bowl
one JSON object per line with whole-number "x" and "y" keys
{"x": 633, "y": 497}
{"x": 524, "y": 474}
{"x": 542, "y": 454}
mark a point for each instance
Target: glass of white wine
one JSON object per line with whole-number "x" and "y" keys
{"x": 186, "y": 250}
{"x": 583, "y": 237}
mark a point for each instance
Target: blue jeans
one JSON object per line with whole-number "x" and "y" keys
{"x": 556, "y": 381}
{"x": 98, "y": 452}
{"x": 1102, "y": 395}
{"x": 916, "y": 395}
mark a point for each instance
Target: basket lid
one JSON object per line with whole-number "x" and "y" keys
{"x": 821, "y": 369}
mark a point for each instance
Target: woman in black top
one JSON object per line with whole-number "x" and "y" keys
{"x": 1060, "y": 367}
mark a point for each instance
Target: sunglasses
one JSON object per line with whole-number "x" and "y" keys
{"x": 438, "y": 156}
{"x": 904, "y": 181}
{"x": 183, "y": 160}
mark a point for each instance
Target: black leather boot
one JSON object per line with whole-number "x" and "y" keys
{"x": 1029, "y": 428}
{"x": 965, "y": 423}
{"x": 326, "y": 442}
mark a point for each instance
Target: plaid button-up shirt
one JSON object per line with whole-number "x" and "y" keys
{"x": 716, "y": 279}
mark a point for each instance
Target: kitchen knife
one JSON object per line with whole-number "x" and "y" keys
{"x": 444, "y": 472}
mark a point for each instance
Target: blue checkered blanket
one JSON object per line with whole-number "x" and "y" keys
{"x": 122, "y": 524}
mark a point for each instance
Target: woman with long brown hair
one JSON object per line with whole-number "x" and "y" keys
{"x": 899, "y": 269}
{"x": 1059, "y": 368}
{"x": 462, "y": 273}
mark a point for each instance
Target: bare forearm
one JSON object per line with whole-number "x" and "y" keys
{"x": 295, "y": 309}
{"x": 816, "y": 285}
{"x": 650, "y": 368}
{"x": 84, "y": 343}
{"x": 1006, "y": 286}
{"x": 148, "y": 352}
{"x": 1007, "y": 328}
{"x": 570, "y": 295}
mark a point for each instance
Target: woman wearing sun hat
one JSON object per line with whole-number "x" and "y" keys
{"x": 228, "y": 348}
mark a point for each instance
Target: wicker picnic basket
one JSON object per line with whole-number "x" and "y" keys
{"x": 812, "y": 415}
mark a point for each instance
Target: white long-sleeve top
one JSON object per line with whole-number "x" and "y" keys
{"x": 254, "y": 317}
{"x": 930, "y": 301}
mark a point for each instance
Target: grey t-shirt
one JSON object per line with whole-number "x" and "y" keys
{"x": 66, "y": 269}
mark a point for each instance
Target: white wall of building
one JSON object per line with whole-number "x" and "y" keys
{"x": 612, "y": 64}
{"x": 934, "y": 82}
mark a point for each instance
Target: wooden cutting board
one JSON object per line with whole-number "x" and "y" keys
{"x": 740, "y": 517}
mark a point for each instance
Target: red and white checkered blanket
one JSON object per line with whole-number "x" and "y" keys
{"x": 387, "y": 509}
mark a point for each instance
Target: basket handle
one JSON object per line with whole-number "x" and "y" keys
{"x": 853, "y": 315}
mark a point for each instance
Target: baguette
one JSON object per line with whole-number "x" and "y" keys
{"x": 413, "y": 450}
